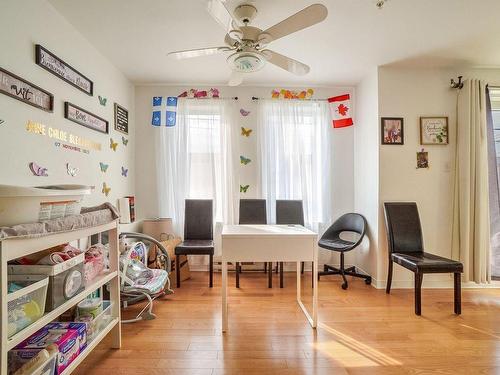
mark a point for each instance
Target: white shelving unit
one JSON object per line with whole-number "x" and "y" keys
{"x": 13, "y": 248}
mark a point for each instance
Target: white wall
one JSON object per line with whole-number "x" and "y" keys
{"x": 145, "y": 158}
{"x": 411, "y": 93}
{"x": 366, "y": 169}
{"x": 147, "y": 197}
{"x": 22, "y": 25}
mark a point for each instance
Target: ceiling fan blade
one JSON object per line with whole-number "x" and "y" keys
{"x": 291, "y": 65}
{"x": 236, "y": 79}
{"x": 219, "y": 11}
{"x": 309, "y": 16}
{"x": 198, "y": 52}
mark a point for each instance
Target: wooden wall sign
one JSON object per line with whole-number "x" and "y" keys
{"x": 22, "y": 90}
{"x": 121, "y": 119}
{"x": 85, "y": 118}
{"x": 58, "y": 67}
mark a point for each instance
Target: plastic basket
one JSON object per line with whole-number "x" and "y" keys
{"x": 97, "y": 324}
{"x": 46, "y": 368}
{"x": 25, "y": 306}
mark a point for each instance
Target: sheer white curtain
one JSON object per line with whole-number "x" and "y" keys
{"x": 295, "y": 155}
{"x": 195, "y": 160}
{"x": 471, "y": 226}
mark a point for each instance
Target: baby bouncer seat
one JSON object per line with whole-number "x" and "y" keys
{"x": 137, "y": 281}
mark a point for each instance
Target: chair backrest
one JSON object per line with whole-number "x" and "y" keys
{"x": 404, "y": 233}
{"x": 289, "y": 212}
{"x": 350, "y": 222}
{"x": 253, "y": 211}
{"x": 198, "y": 219}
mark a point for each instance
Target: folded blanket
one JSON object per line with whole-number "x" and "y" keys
{"x": 89, "y": 217}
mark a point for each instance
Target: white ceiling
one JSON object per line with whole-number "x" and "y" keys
{"x": 355, "y": 37}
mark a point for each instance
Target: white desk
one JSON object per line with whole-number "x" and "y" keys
{"x": 270, "y": 243}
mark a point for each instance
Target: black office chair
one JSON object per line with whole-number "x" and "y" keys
{"x": 331, "y": 241}
{"x": 198, "y": 234}
{"x": 252, "y": 211}
{"x": 406, "y": 248}
{"x": 289, "y": 212}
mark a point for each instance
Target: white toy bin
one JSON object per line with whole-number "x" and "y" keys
{"x": 21, "y": 205}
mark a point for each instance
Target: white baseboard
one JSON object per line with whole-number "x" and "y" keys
{"x": 377, "y": 284}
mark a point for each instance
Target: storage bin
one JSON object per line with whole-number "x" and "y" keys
{"x": 46, "y": 368}
{"x": 97, "y": 324}
{"x": 25, "y": 306}
{"x": 65, "y": 279}
{"x": 22, "y": 204}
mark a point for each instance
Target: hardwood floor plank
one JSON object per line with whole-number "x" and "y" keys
{"x": 362, "y": 331}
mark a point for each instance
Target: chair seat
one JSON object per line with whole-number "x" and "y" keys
{"x": 427, "y": 263}
{"x": 195, "y": 247}
{"x": 336, "y": 244}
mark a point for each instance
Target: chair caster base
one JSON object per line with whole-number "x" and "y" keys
{"x": 368, "y": 280}
{"x": 344, "y": 286}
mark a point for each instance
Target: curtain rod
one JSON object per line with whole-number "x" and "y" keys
{"x": 302, "y": 100}
{"x": 206, "y": 97}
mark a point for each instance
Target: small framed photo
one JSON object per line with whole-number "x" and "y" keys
{"x": 392, "y": 130}
{"x": 422, "y": 159}
{"x": 433, "y": 130}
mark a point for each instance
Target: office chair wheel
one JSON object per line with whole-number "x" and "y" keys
{"x": 344, "y": 286}
{"x": 368, "y": 281}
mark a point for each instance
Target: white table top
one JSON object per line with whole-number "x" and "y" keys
{"x": 266, "y": 230}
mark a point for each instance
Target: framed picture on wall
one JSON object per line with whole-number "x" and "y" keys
{"x": 85, "y": 118}
{"x": 392, "y": 130}
{"x": 121, "y": 119}
{"x": 433, "y": 130}
{"x": 61, "y": 69}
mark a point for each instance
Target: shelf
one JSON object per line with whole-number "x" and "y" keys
{"x": 91, "y": 346}
{"x": 17, "y": 247}
{"x": 50, "y": 316}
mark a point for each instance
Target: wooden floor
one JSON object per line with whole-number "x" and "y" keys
{"x": 362, "y": 331}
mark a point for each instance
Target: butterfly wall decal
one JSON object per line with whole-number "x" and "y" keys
{"x": 2, "y": 121}
{"x": 113, "y": 144}
{"x": 244, "y": 113}
{"x": 244, "y": 160}
{"x": 104, "y": 167}
{"x": 102, "y": 100}
{"x": 38, "y": 170}
{"x": 105, "y": 189}
{"x": 124, "y": 141}
{"x": 124, "y": 172}
{"x": 246, "y": 132}
{"x": 72, "y": 171}
{"x": 244, "y": 188}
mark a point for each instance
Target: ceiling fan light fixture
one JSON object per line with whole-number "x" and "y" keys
{"x": 246, "y": 61}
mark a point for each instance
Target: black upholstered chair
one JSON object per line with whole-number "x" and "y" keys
{"x": 331, "y": 240}
{"x": 198, "y": 234}
{"x": 289, "y": 212}
{"x": 252, "y": 211}
{"x": 406, "y": 248}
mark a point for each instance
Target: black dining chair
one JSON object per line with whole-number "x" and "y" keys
{"x": 406, "y": 248}
{"x": 289, "y": 212}
{"x": 252, "y": 211}
{"x": 331, "y": 240}
{"x": 198, "y": 234}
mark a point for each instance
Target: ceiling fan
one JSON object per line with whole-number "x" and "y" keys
{"x": 248, "y": 44}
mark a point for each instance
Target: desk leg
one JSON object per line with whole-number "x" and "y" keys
{"x": 298, "y": 282}
{"x": 315, "y": 287}
{"x": 224, "y": 296}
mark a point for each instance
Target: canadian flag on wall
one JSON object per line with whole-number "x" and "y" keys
{"x": 340, "y": 107}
